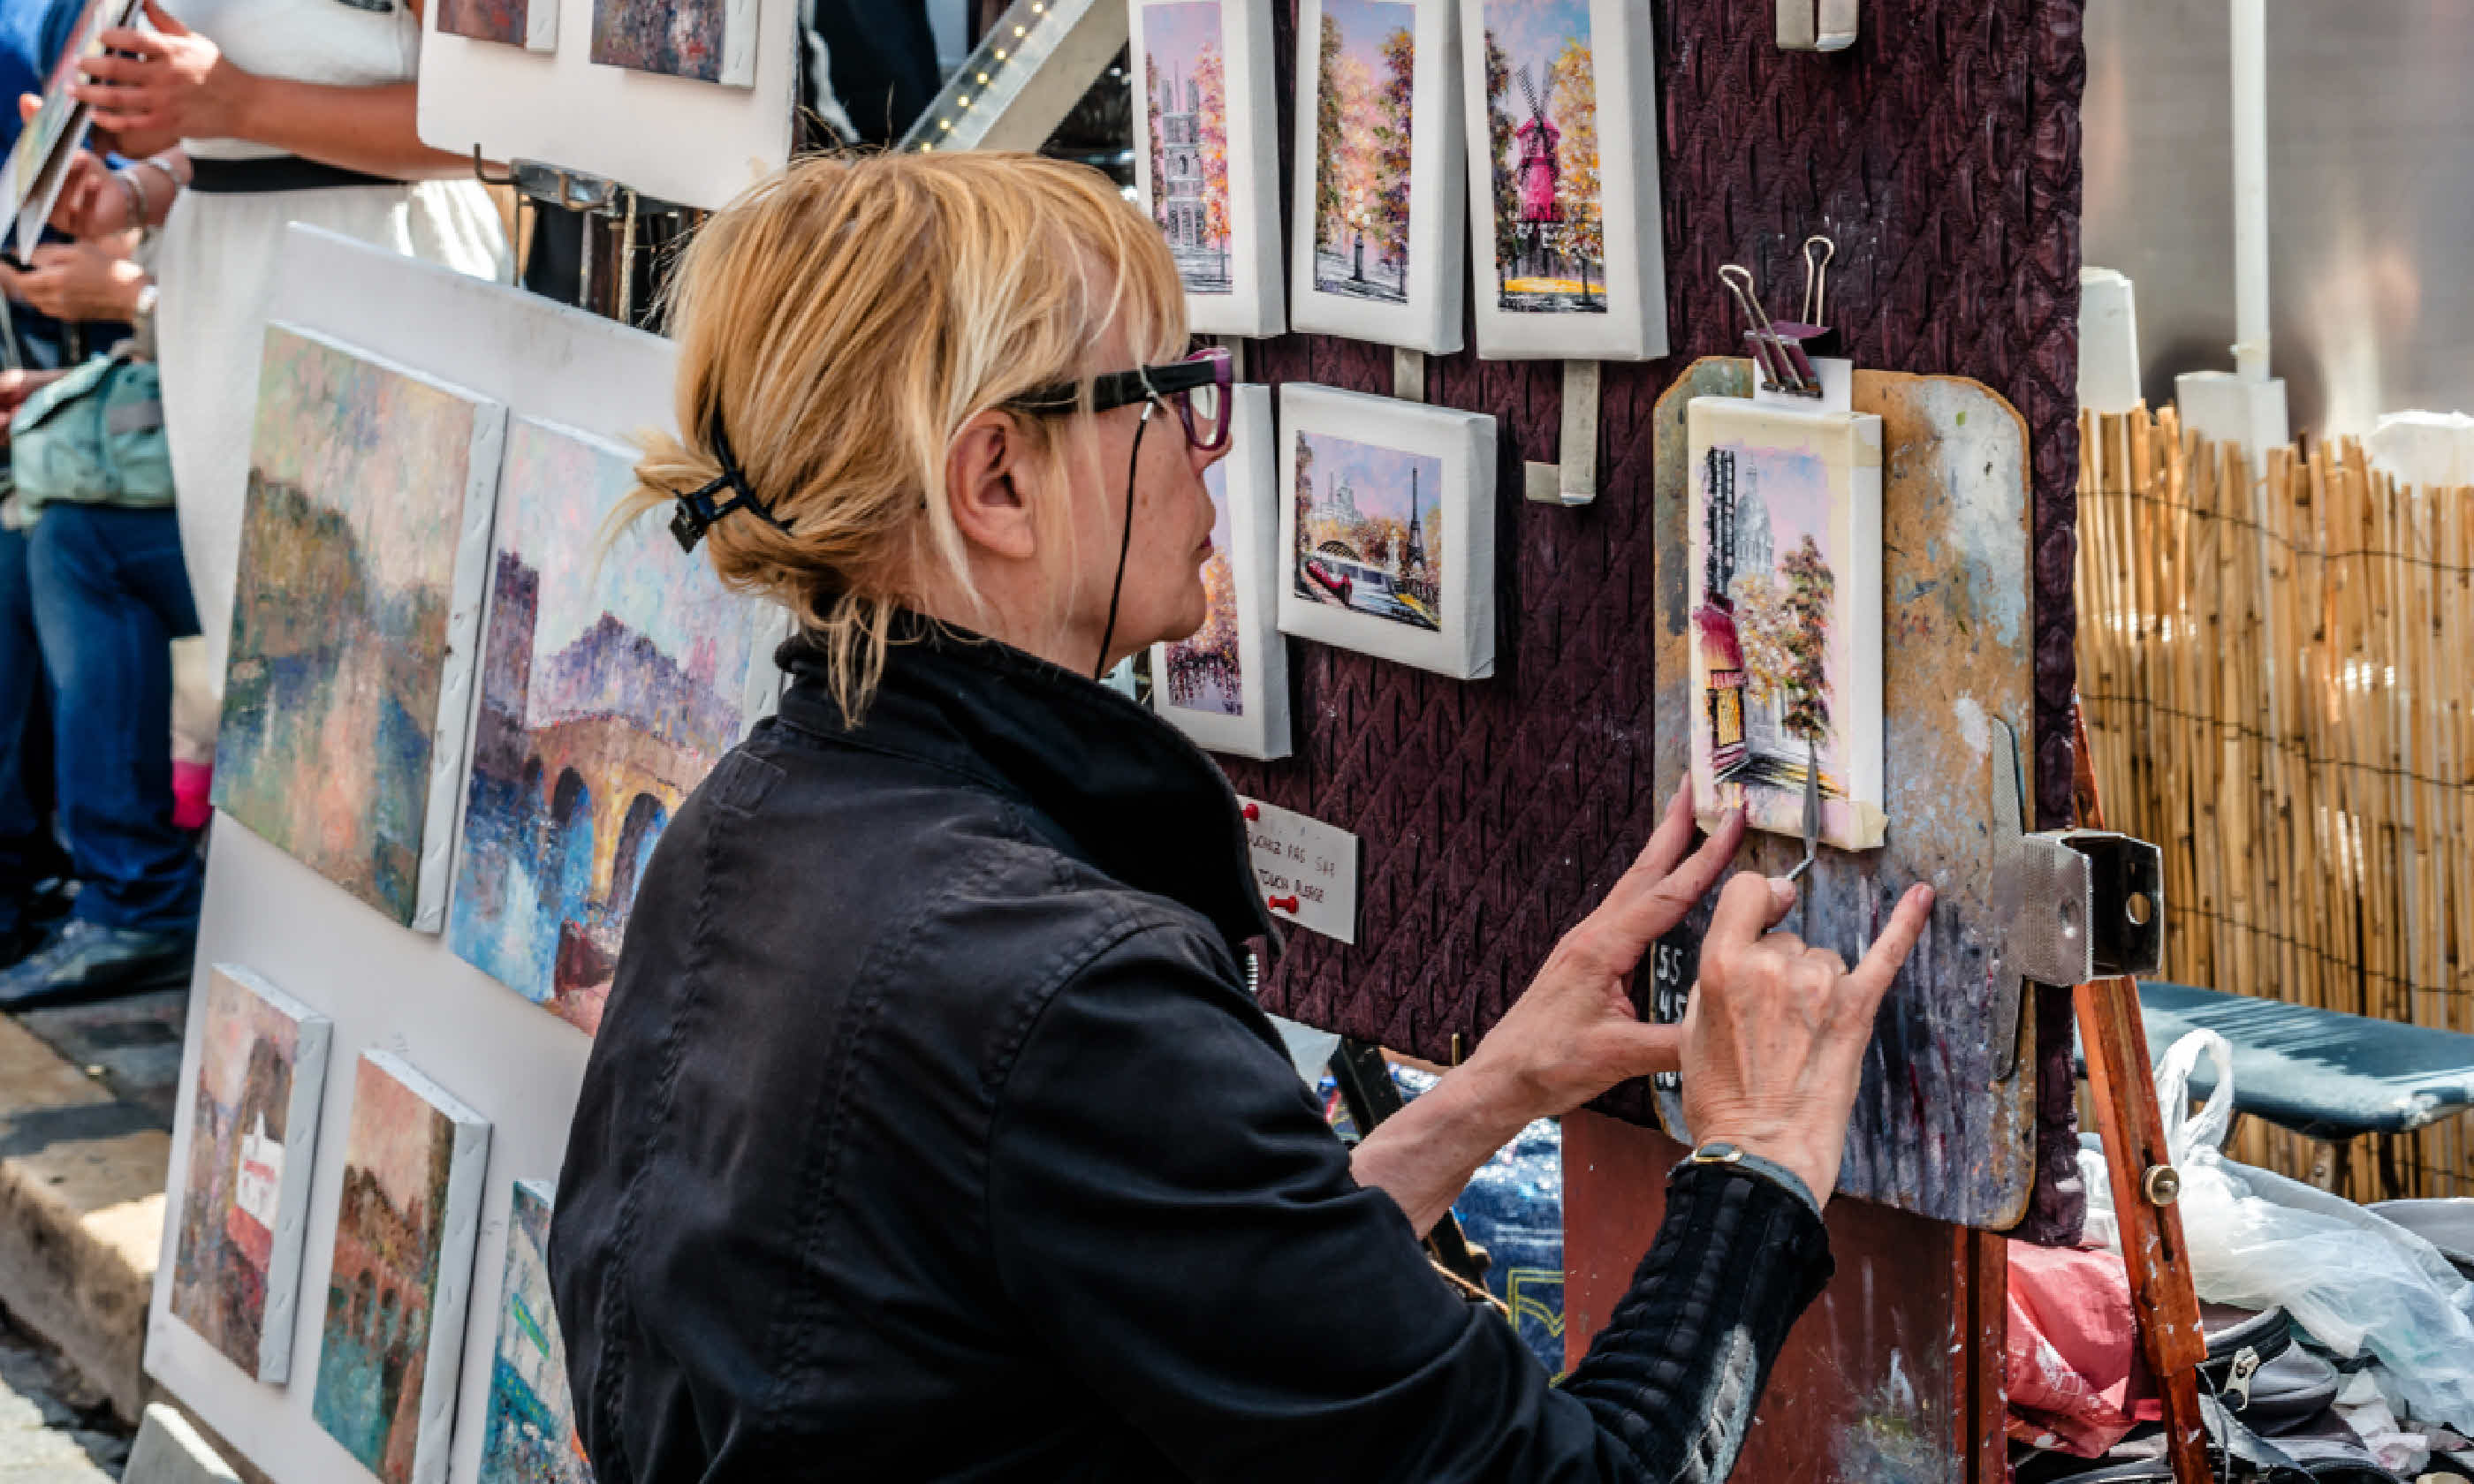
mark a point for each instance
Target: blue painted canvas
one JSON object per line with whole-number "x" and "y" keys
{"x": 613, "y": 679}
{"x": 530, "y": 1435}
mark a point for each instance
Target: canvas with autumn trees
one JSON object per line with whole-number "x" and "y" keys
{"x": 1541, "y": 101}
{"x": 1186, "y": 109}
{"x": 1362, "y": 137}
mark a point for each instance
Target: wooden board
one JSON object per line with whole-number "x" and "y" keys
{"x": 1935, "y": 1132}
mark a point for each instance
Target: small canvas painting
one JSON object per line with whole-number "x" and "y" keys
{"x": 1226, "y": 684}
{"x": 253, "y": 1134}
{"x": 530, "y": 1435}
{"x": 39, "y": 163}
{"x": 396, "y": 1291}
{"x": 1369, "y": 530}
{"x": 1362, "y": 149}
{"x": 1786, "y": 616}
{"x": 1541, "y": 120}
{"x": 1185, "y": 97}
{"x": 1387, "y": 527}
{"x": 612, "y": 681}
{"x": 708, "y": 40}
{"x": 1205, "y": 671}
{"x": 532, "y": 24}
{"x": 351, "y": 547}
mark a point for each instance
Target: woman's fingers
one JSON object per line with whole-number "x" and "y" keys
{"x": 1872, "y": 977}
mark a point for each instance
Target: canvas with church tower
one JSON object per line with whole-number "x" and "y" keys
{"x": 1186, "y": 98}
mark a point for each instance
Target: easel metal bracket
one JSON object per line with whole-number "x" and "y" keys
{"x": 2072, "y": 905}
{"x": 1574, "y": 480}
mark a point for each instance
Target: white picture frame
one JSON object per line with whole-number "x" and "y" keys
{"x": 1422, "y": 310}
{"x": 1763, "y": 481}
{"x": 1246, "y": 493}
{"x": 1352, "y": 464}
{"x": 1535, "y": 315}
{"x": 268, "y": 1190}
{"x": 372, "y": 1313}
{"x": 1241, "y": 292}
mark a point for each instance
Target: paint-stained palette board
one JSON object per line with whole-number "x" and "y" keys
{"x": 1934, "y": 1132}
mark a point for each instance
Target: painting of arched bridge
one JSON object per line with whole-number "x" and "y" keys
{"x": 611, "y": 683}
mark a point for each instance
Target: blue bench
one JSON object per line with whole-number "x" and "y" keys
{"x": 2319, "y": 1072}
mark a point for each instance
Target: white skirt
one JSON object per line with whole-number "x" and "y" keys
{"x": 215, "y": 267}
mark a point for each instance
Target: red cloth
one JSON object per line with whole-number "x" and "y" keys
{"x": 2074, "y": 1371}
{"x": 193, "y": 785}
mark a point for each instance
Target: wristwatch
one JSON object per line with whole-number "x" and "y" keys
{"x": 1718, "y": 1151}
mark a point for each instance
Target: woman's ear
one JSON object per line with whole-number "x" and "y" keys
{"x": 986, "y": 472}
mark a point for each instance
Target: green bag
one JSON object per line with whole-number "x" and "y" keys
{"x": 95, "y": 437}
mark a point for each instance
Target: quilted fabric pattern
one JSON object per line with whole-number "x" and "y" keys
{"x": 1942, "y": 154}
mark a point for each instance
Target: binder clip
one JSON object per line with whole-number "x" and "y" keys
{"x": 1785, "y": 350}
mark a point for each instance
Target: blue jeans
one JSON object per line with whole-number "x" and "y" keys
{"x": 28, "y": 852}
{"x": 109, "y": 593}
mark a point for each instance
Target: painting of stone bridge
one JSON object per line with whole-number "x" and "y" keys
{"x": 612, "y": 682}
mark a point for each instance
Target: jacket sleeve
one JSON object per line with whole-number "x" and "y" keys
{"x": 1174, "y": 1220}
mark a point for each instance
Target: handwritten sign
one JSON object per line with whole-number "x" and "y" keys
{"x": 1307, "y": 870}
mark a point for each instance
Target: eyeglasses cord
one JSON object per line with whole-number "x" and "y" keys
{"x": 1125, "y": 538}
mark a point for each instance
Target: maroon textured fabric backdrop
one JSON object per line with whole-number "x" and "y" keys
{"x": 1942, "y": 154}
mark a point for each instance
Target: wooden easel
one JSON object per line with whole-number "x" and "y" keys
{"x": 2163, "y": 1296}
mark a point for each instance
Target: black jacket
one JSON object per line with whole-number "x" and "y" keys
{"x": 931, "y": 1134}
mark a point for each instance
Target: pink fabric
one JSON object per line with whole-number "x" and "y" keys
{"x": 192, "y": 787}
{"x": 2072, "y": 1368}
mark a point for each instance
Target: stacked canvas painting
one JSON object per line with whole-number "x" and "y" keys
{"x": 1226, "y": 686}
{"x": 531, "y": 24}
{"x": 361, "y": 543}
{"x": 396, "y": 1287}
{"x": 1204, "y": 161}
{"x": 252, "y": 1133}
{"x": 529, "y": 1437}
{"x": 1786, "y": 616}
{"x": 613, "y": 679}
{"x": 1376, "y": 250}
{"x": 1564, "y": 179}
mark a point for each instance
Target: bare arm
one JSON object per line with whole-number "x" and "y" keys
{"x": 1423, "y": 1156}
{"x": 154, "y": 88}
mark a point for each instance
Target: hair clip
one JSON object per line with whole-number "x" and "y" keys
{"x": 696, "y": 511}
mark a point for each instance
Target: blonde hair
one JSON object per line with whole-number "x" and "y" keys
{"x": 839, "y": 323}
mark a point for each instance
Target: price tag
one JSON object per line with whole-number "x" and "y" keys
{"x": 1674, "y": 963}
{"x": 1307, "y": 870}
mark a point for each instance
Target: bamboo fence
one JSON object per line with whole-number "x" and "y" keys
{"x": 2278, "y": 681}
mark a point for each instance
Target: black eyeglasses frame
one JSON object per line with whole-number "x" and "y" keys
{"x": 1168, "y": 383}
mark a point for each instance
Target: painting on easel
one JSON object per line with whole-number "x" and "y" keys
{"x": 1786, "y": 616}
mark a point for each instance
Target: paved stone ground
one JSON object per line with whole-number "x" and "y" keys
{"x": 132, "y": 1045}
{"x": 54, "y": 1428}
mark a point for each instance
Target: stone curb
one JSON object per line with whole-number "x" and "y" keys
{"x": 81, "y": 1214}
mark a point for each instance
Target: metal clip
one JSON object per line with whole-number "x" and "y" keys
{"x": 1816, "y": 25}
{"x": 1816, "y": 278}
{"x": 2072, "y": 905}
{"x": 1783, "y": 367}
{"x": 2237, "y": 1379}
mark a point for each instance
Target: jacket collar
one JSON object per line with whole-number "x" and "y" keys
{"x": 1127, "y": 791}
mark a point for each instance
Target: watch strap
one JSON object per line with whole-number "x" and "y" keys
{"x": 1721, "y": 1155}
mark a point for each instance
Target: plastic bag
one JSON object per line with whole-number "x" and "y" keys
{"x": 2354, "y": 1280}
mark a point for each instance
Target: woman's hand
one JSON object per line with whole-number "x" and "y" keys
{"x": 1775, "y": 1037}
{"x": 1573, "y": 1034}
{"x": 171, "y": 83}
{"x": 77, "y": 281}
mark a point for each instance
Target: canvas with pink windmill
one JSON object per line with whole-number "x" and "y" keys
{"x": 1543, "y": 136}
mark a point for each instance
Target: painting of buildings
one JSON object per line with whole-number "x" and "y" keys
{"x": 1369, "y": 530}
{"x": 1787, "y": 620}
{"x": 252, "y": 1134}
{"x": 1362, "y": 149}
{"x": 1542, "y": 106}
{"x": 396, "y": 1290}
{"x": 1204, "y": 669}
{"x": 705, "y": 39}
{"x": 1185, "y": 93}
{"x": 530, "y": 1435}
{"x": 357, "y": 484}
{"x": 526, "y": 23}
{"x": 612, "y": 682}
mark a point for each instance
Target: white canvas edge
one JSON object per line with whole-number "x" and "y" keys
{"x": 1868, "y": 779}
{"x": 313, "y": 1035}
{"x": 540, "y": 27}
{"x": 1431, "y": 318}
{"x": 1464, "y": 649}
{"x": 738, "y": 32}
{"x": 673, "y": 138}
{"x": 1633, "y": 326}
{"x": 459, "y": 1227}
{"x": 1262, "y": 733}
{"x": 1253, "y": 305}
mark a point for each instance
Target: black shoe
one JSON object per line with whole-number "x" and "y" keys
{"x": 89, "y": 961}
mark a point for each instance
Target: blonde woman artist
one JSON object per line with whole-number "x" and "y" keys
{"x": 930, "y": 1131}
